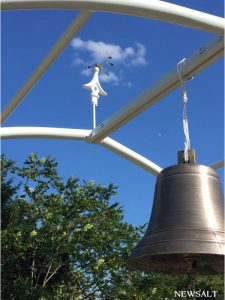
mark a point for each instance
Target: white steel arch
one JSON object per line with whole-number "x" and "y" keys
{"x": 153, "y": 9}
{"x": 80, "y": 134}
{"x": 83, "y": 134}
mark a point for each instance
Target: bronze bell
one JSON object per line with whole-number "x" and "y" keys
{"x": 186, "y": 228}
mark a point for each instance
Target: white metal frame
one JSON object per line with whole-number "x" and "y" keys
{"x": 202, "y": 58}
{"x": 153, "y": 9}
{"x": 80, "y": 134}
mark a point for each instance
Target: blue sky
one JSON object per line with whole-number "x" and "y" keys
{"x": 143, "y": 50}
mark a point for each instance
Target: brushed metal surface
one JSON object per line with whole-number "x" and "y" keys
{"x": 186, "y": 224}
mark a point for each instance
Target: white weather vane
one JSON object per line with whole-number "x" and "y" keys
{"x": 95, "y": 87}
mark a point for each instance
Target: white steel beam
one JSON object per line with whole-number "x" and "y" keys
{"x": 43, "y": 132}
{"x": 79, "y": 134}
{"x": 60, "y": 45}
{"x": 202, "y": 58}
{"x": 153, "y": 9}
{"x": 219, "y": 164}
{"x": 132, "y": 156}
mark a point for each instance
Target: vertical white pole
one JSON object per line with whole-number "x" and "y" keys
{"x": 94, "y": 115}
{"x": 94, "y": 102}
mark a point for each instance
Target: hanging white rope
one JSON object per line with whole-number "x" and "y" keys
{"x": 187, "y": 144}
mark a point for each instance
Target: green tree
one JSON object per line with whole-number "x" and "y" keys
{"x": 68, "y": 240}
{"x": 8, "y": 189}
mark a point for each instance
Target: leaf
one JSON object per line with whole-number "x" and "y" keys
{"x": 43, "y": 160}
{"x": 33, "y": 157}
{"x": 88, "y": 226}
{"x": 33, "y": 233}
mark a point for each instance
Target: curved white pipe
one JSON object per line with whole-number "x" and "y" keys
{"x": 80, "y": 134}
{"x": 132, "y": 156}
{"x": 43, "y": 132}
{"x": 153, "y": 9}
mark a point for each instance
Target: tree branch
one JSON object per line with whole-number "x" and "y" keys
{"x": 46, "y": 276}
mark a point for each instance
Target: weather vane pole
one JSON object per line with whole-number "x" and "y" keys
{"x": 96, "y": 90}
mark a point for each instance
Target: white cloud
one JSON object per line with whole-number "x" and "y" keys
{"x": 99, "y": 51}
{"x": 128, "y": 84}
{"x": 86, "y": 72}
{"x": 78, "y": 61}
{"x": 91, "y": 52}
{"x": 139, "y": 59}
{"x": 77, "y": 43}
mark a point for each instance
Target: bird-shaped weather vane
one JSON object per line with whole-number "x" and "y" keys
{"x": 95, "y": 87}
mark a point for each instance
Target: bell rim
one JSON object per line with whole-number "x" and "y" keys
{"x": 182, "y": 263}
{"x": 188, "y": 168}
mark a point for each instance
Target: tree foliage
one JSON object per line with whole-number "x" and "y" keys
{"x": 66, "y": 239}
